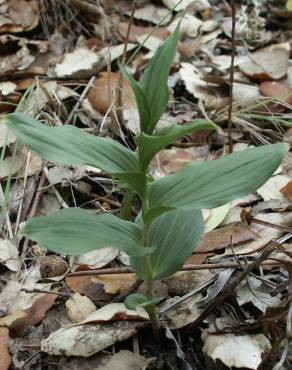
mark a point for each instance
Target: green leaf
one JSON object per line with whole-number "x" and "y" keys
{"x": 150, "y": 145}
{"x": 154, "y": 79}
{"x": 69, "y": 145}
{"x": 135, "y": 300}
{"x": 75, "y": 231}
{"x": 289, "y": 5}
{"x": 176, "y": 234}
{"x": 141, "y": 100}
{"x": 214, "y": 183}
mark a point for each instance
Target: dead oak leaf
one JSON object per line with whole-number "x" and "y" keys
{"x": 219, "y": 239}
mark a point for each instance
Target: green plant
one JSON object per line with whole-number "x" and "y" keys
{"x": 170, "y": 223}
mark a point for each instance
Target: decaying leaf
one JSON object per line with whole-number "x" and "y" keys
{"x": 255, "y": 291}
{"x": 20, "y": 320}
{"x": 19, "y": 16}
{"x": 79, "y": 307}
{"x": 86, "y": 340}
{"x": 9, "y": 255}
{"x": 182, "y": 314}
{"x": 5, "y": 356}
{"x": 240, "y": 351}
{"x": 267, "y": 63}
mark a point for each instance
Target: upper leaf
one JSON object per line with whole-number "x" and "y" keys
{"x": 150, "y": 145}
{"x": 74, "y": 231}
{"x": 69, "y": 145}
{"x": 152, "y": 91}
{"x": 154, "y": 79}
{"x": 176, "y": 234}
{"x": 141, "y": 100}
{"x": 214, "y": 183}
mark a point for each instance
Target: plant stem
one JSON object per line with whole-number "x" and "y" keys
{"x": 149, "y": 281}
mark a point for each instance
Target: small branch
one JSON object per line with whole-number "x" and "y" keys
{"x": 119, "y": 89}
{"x": 80, "y": 100}
{"x": 231, "y": 76}
{"x": 190, "y": 267}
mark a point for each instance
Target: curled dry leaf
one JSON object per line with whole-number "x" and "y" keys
{"x": 267, "y": 63}
{"x": 5, "y": 357}
{"x": 102, "y": 94}
{"x": 79, "y": 307}
{"x": 86, "y": 340}
{"x": 240, "y": 351}
{"x": 220, "y": 239}
{"x": 115, "y": 312}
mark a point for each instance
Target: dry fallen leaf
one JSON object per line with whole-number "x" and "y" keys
{"x": 80, "y": 59}
{"x": 5, "y": 357}
{"x": 182, "y": 314}
{"x": 240, "y": 351}
{"x": 79, "y": 307}
{"x": 153, "y": 13}
{"x": 86, "y": 340}
{"x": 9, "y": 255}
{"x": 172, "y": 160}
{"x": 102, "y": 94}
{"x": 95, "y": 287}
{"x": 220, "y": 239}
{"x": 267, "y": 63}
{"x": 276, "y": 89}
{"x": 271, "y": 189}
{"x": 197, "y": 5}
{"x": 138, "y": 31}
{"x": 122, "y": 360}
{"x": 184, "y": 281}
{"x": 287, "y": 190}
{"x": 115, "y": 312}
{"x": 20, "y": 320}
{"x": 95, "y": 259}
{"x": 253, "y": 290}
{"x": 19, "y": 16}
